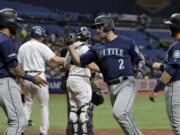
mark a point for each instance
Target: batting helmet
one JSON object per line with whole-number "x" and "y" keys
{"x": 174, "y": 22}
{"x": 84, "y": 34}
{"x": 105, "y": 21}
{"x": 9, "y": 19}
{"x": 38, "y": 31}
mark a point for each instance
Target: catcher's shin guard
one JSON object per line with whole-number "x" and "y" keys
{"x": 83, "y": 118}
{"x": 73, "y": 119}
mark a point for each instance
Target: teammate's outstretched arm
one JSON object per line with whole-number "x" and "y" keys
{"x": 93, "y": 67}
{"x": 165, "y": 78}
{"x": 156, "y": 65}
{"x": 19, "y": 73}
{"x": 56, "y": 60}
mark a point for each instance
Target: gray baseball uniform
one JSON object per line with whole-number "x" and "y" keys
{"x": 172, "y": 92}
{"x": 10, "y": 92}
{"x": 115, "y": 62}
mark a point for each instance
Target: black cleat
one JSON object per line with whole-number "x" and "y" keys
{"x": 30, "y": 123}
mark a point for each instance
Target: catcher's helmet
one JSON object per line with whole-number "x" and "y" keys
{"x": 84, "y": 34}
{"x": 38, "y": 31}
{"x": 9, "y": 19}
{"x": 174, "y": 21}
{"x": 105, "y": 21}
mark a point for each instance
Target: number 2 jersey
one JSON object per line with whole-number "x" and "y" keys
{"x": 115, "y": 58}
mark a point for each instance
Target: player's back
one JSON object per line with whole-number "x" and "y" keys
{"x": 32, "y": 55}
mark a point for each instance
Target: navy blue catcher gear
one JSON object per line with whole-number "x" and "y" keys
{"x": 9, "y": 19}
{"x": 38, "y": 31}
{"x": 104, "y": 20}
{"x": 84, "y": 34}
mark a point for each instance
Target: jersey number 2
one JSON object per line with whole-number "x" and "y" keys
{"x": 121, "y": 64}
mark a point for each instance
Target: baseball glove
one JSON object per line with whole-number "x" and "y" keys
{"x": 97, "y": 97}
{"x": 69, "y": 38}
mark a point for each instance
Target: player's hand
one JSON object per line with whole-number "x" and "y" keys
{"x": 70, "y": 39}
{"x": 39, "y": 81}
{"x": 139, "y": 74}
{"x": 153, "y": 96}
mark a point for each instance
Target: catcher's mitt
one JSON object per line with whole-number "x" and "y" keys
{"x": 69, "y": 38}
{"x": 97, "y": 97}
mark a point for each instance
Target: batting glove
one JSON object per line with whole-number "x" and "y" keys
{"x": 139, "y": 74}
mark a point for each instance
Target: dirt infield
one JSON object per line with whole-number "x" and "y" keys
{"x": 111, "y": 132}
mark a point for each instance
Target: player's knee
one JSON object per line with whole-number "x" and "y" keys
{"x": 121, "y": 116}
{"x": 20, "y": 122}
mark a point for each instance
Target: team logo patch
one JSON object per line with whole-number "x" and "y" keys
{"x": 176, "y": 54}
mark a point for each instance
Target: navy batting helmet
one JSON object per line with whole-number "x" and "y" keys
{"x": 105, "y": 21}
{"x": 84, "y": 34}
{"x": 38, "y": 31}
{"x": 9, "y": 19}
{"x": 174, "y": 22}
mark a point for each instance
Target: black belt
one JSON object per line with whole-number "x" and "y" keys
{"x": 33, "y": 71}
{"x": 117, "y": 80}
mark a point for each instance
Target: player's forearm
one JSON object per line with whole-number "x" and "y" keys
{"x": 56, "y": 60}
{"x": 94, "y": 67}
{"x": 17, "y": 71}
{"x": 141, "y": 64}
{"x": 75, "y": 56}
{"x": 156, "y": 65}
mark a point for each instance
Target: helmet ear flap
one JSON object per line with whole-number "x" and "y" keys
{"x": 107, "y": 27}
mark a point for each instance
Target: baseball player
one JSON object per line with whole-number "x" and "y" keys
{"x": 11, "y": 73}
{"x": 33, "y": 55}
{"x": 79, "y": 88}
{"x": 116, "y": 59}
{"x": 171, "y": 76}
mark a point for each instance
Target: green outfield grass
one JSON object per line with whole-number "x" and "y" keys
{"x": 148, "y": 115}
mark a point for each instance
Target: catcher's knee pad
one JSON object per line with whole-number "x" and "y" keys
{"x": 73, "y": 115}
{"x": 83, "y": 117}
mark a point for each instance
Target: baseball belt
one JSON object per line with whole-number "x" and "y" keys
{"x": 117, "y": 80}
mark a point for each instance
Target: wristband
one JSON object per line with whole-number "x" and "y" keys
{"x": 29, "y": 77}
{"x": 162, "y": 67}
{"x": 160, "y": 85}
